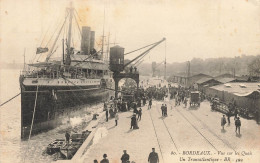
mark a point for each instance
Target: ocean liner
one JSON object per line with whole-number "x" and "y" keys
{"x": 51, "y": 89}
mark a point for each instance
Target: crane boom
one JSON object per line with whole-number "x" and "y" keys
{"x": 145, "y": 52}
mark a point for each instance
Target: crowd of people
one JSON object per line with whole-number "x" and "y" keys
{"x": 146, "y": 96}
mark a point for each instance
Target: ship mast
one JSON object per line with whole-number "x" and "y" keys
{"x": 165, "y": 61}
{"x": 71, "y": 9}
{"x": 102, "y": 50}
{"x": 69, "y": 50}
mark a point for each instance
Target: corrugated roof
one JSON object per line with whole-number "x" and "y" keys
{"x": 236, "y": 88}
{"x": 201, "y": 74}
{"x": 226, "y": 75}
{"x": 203, "y": 80}
{"x": 225, "y": 80}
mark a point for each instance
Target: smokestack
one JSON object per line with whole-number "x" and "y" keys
{"x": 92, "y": 40}
{"x": 85, "y": 41}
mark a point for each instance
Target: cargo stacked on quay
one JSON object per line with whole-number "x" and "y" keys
{"x": 50, "y": 89}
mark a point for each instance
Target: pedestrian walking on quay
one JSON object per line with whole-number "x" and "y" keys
{"x": 238, "y": 125}
{"x": 125, "y": 157}
{"x": 139, "y": 114}
{"x": 116, "y": 118}
{"x": 153, "y": 157}
{"x": 67, "y": 136}
{"x": 105, "y": 160}
{"x": 228, "y": 117}
{"x": 150, "y": 104}
{"x": 106, "y": 114}
{"x": 235, "y": 113}
{"x": 185, "y": 101}
{"x": 223, "y": 122}
{"x": 162, "y": 108}
{"x": 165, "y": 110}
{"x": 133, "y": 121}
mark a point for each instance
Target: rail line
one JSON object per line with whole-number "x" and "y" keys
{"x": 168, "y": 131}
{"x": 206, "y": 126}
{"x": 156, "y": 135}
{"x": 197, "y": 130}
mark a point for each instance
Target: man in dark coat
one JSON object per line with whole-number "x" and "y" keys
{"x": 238, "y": 124}
{"x": 153, "y": 157}
{"x": 139, "y": 114}
{"x": 106, "y": 114}
{"x": 150, "y": 104}
{"x": 133, "y": 122}
{"x": 162, "y": 108}
{"x": 67, "y": 136}
{"x": 223, "y": 122}
{"x": 165, "y": 110}
{"x": 125, "y": 157}
{"x": 105, "y": 160}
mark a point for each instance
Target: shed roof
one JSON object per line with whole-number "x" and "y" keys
{"x": 225, "y": 80}
{"x": 203, "y": 80}
{"x": 238, "y": 88}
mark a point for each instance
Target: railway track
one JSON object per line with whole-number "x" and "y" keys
{"x": 207, "y": 129}
{"x": 213, "y": 133}
{"x": 200, "y": 132}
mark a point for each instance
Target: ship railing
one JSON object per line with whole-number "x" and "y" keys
{"x": 57, "y": 75}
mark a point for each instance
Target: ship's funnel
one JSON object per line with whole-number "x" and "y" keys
{"x": 85, "y": 41}
{"x": 92, "y": 40}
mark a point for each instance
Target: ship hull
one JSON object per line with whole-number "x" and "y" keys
{"x": 54, "y": 104}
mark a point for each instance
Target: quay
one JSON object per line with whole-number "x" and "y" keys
{"x": 175, "y": 138}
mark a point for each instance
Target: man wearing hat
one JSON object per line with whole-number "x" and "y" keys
{"x": 238, "y": 124}
{"x": 125, "y": 157}
{"x": 153, "y": 157}
{"x": 133, "y": 121}
{"x": 105, "y": 160}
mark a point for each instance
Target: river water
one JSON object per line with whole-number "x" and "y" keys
{"x": 12, "y": 148}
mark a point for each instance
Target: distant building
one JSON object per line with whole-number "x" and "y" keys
{"x": 243, "y": 94}
{"x": 226, "y": 75}
{"x": 226, "y": 80}
{"x": 204, "y": 83}
{"x": 188, "y": 81}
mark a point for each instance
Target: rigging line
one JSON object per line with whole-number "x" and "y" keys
{"x": 45, "y": 35}
{"x": 10, "y": 99}
{"x": 52, "y": 36}
{"x": 57, "y": 29}
{"x": 51, "y": 24}
{"x": 35, "y": 103}
{"x": 72, "y": 83}
{"x": 72, "y": 91}
{"x": 139, "y": 63}
{"x": 77, "y": 15}
{"x": 141, "y": 58}
{"x": 165, "y": 60}
{"x": 87, "y": 58}
{"x": 50, "y": 52}
{"x": 34, "y": 58}
{"x": 77, "y": 23}
{"x": 140, "y": 48}
{"x": 39, "y": 57}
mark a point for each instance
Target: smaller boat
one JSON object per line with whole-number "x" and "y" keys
{"x": 77, "y": 139}
{"x": 55, "y": 146}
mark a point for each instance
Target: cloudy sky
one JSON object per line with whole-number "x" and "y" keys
{"x": 193, "y": 28}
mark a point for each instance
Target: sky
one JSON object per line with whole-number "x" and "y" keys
{"x": 192, "y": 28}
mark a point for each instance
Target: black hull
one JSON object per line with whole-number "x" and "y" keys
{"x": 53, "y": 104}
